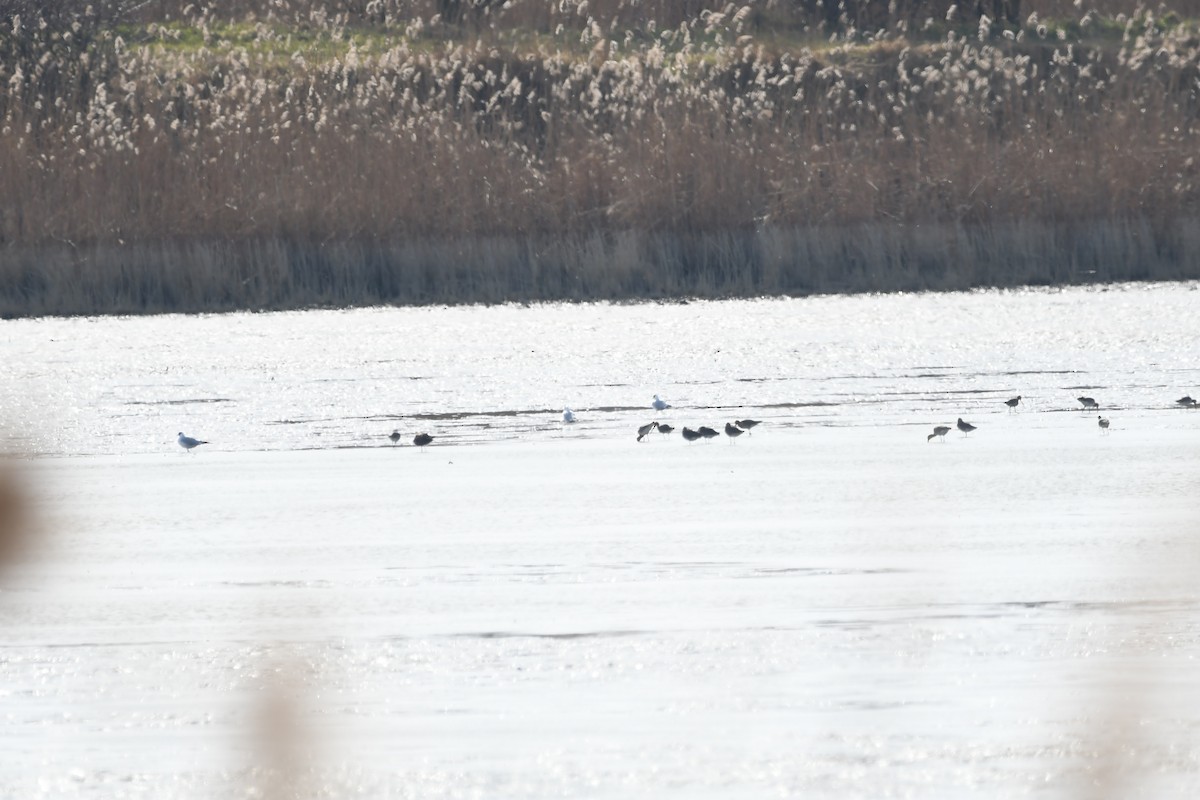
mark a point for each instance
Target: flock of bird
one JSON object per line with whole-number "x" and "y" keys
{"x": 737, "y": 427}
{"x": 1102, "y": 421}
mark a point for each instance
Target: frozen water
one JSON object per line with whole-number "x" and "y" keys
{"x": 832, "y": 608}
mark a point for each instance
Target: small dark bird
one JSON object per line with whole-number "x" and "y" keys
{"x": 665, "y": 429}
{"x": 940, "y": 430}
{"x": 732, "y": 431}
{"x": 965, "y": 427}
{"x": 1186, "y": 401}
{"x": 707, "y": 433}
{"x": 1088, "y": 402}
{"x": 690, "y": 434}
{"x": 395, "y": 436}
{"x": 747, "y": 424}
{"x": 1012, "y": 404}
{"x": 645, "y": 429}
{"x": 422, "y": 439}
{"x": 1103, "y": 423}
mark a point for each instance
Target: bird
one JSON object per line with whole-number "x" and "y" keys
{"x": 732, "y": 431}
{"x": 965, "y": 427}
{"x": 689, "y": 434}
{"x": 394, "y": 436}
{"x": 940, "y": 430}
{"x": 747, "y": 424}
{"x": 568, "y": 416}
{"x": 422, "y": 439}
{"x": 665, "y": 429}
{"x": 1012, "y": 404}
{"x": 645, "y": 429}
{"x": 1103, "y": 423}
{"x": 659, "y": 404}
{"x": 707, "y": 433}
{"x": 1186, "y": 401}
{"x": 187, "y": 442}
{"x": 1088, "y": 402}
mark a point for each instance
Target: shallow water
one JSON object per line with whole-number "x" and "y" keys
{"x": 830, "y": 607}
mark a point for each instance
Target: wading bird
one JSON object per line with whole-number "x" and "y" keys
{"x": 1012, "y": 404}
{"x": 707, "y": 433}
{"x": 941, "y": 431}
{"x": 659, "y": 404}
{"x": 1103, "y": 423}
{"x": 422, "y": 439}
{"x": 1088, "y": 402}
{"x": 747, "y": 424}
{"x": 732, "y": 431}
{"x": 690, "y": 435}
{"x": 187, "y": 442}
{"x": 645, "y": 429}
{"x": 1186, "y": 401}
{"x": 965, "y": 427}
{"x": 394, "y": 436}
{"x": 665, "y": 429}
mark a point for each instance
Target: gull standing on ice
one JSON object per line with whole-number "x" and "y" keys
{"x": 187, "y": 442}
{"x": 659, "y": 404}
{"x": 568, "y": 416}
{"x": 939, "y": 431}
{"x": 965, "y": 427}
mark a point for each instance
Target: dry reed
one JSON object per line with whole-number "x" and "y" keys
{"x": 159, "y": 157}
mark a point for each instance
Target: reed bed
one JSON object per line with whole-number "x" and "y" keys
{"x": 169, "y": 157}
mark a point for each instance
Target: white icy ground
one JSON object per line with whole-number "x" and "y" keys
{"x": 830, "y": 607}
{"x": 830, "y": 612}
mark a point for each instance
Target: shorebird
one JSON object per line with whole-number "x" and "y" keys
{"x": 1186, "y": 401}
{"x": 732, "y": 431}
{"x": 422, "y": 439}
{"x": 187, "y": 442}
{"x": 965, "y": 427}
{"x": 747, "y": 424}
{"x": 568, "y": 416}
{"x": 665, "y": 429}
{"x": 1103, "y": 423}
{"x": 645, "y": 429}
{"x": 1012, "y": 404}
{"x": 940, "y": 430}
{"x": 659, "y": 404}
{"x": 690, "y": 434}
{"x": 394, "y": 436}
{"x": 1088, "y": 402}
{"x": 707, "y": 433}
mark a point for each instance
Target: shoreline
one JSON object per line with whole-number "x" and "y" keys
{"x": 287, "y": 273}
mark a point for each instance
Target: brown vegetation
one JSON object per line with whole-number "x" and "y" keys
{"x": 167, "y": 157}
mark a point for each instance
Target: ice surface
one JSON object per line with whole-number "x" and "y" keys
{"x": 831, "y": 607}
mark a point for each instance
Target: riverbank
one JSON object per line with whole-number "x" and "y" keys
{"x": 192, "y": 159}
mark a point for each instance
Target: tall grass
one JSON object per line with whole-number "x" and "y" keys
{"x": 169, "y": 157}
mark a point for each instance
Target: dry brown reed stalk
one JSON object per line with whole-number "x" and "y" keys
{"x": 14, "y": 517}
{"x": 282, "y": 748}
{"x": 141, "y": 162}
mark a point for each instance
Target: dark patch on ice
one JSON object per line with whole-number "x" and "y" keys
{"x": 567, "y": 636}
